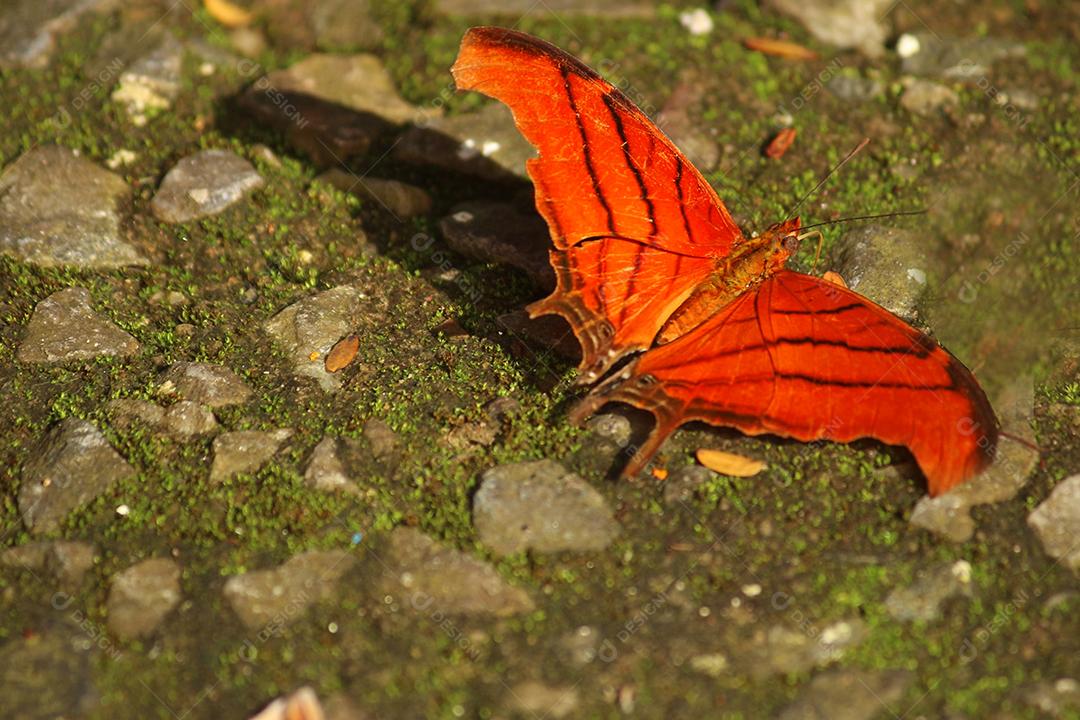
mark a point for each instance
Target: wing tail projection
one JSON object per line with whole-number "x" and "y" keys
{"x": 806, "y": 359}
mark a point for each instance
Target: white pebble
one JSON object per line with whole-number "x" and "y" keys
{"x": 907, "y": 45}
{"x": 698, "y": 21}
{"x": 123, "y": 510}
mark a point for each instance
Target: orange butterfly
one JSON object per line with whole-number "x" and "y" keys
{"x": 647, "y": 258}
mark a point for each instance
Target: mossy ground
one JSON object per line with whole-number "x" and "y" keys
{"x": 823, "y": 525}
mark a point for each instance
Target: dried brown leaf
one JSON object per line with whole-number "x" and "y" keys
{"x": 780, "y": 143}
{"x": 779, "y": 48}
{"x": 228, "y": 14}
{"x": 343, "y": 353}
{"x": 727, "y": 463}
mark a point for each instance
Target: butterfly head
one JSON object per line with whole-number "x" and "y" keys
{"x": 782, "y": 241}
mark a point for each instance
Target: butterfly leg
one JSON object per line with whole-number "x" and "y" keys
{"x": 643, "y": 392}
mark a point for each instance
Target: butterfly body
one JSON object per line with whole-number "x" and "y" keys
{"x": 751, "y": 262}
{"x": 649, "y": 263}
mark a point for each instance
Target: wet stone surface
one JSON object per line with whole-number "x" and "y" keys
{"x": 57, "y": 208}
{"x": 399, "y": 199}
{"x": 245, "y": 451}
{"x": 30, "y": 28}
{"x": 886, "y": 265}
{"x": 355, "y": 82}
{"x": 309, "y": 328}
{"x": 542, "y": 507}
{"x": 842, "y": 23}
{"x": 65, "y": 327}
{"x": 849, "y": 695}
{"x": 1057, "y": 523}
{"x": 65, "y": 561}
{"x": 922, "y": 600}
{"x": 141, "y": 596}
{"x": 182, "y": 420}
{"x": 49, "y": 675}
{"x": 285, "y": 592}
{"x": 204, "y": 184}
{"x": 152, "y": 82}
{"x": 70, "y": 466}
{"x": 425, "y": 577}
{"x": 211, "y": 385}
{"x": 501, "y": 233}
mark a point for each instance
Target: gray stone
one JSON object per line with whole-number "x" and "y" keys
{"x": 282, "y": 594}
{"x": 310, "y": 327}
{"x": 858, "y": 24}
{"x": 399, "y": 199}
{"x": 57, "y": 208}
{"x": 357, "y": 82}
{"x": 141, "y": 596}
{"x": 72, "y": 465}
{"x": 781, "y": 649}
{"x": 963, "y": 59}
{"x": 64, "y": 560}
{"x": 540, "y": 506}
{"x": 684, "y": 483}
{"x": 949, "y": 514}
{"x": 853, "y": 87}
{"x": 65, "y": 327}
{"x": 500, "y": 233}
{"x": 345, "y": 25}
{"x": 68, "y": 562}
{"x": 1057, "y": 699}
{"x": 886, "y": 265}
{"x": 1057, "y": 522}
{"x": 245, "y": 451}
{"x": 182, "y": 420}
{"x": 926, "y": 98}
{"x": 29, "y": 556}
{"x": 601, "y": 8}
{"x": 204, "y": 184}
{"x": 922, "y": 600}
{"x": 485, "y": 143}
{"x": 326, "y": 468}
{"x": 850, "y": 695}
{"x": 210, "y": 385}
{"x": 433, "y": 579}
{"x": 29, "y": 28}
{"x": 51, "y": 675}
{"x": 381, "y": 437}
{"x": 152, "y": 82}
{"x": 537, "y": 700}
{"x": 615, "y": 429}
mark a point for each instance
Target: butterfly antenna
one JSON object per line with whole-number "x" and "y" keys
{"x": 791, "y": 213}
{"x": 898, "y": 213}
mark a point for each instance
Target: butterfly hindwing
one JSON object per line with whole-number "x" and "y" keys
{"x": 806, "y": 359}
